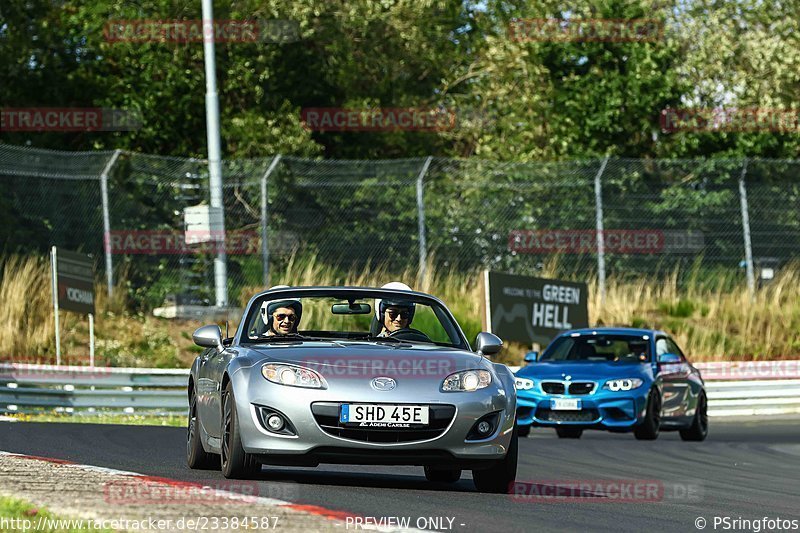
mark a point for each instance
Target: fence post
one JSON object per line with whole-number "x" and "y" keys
{"x": 423, "y": 245}
{"x": 601, "y": 249}
{"x": 264, "y": 233}
{"x": 107, "y": 220}
{"x": 748, "y": 245}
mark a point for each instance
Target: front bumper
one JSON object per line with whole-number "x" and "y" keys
{"x": 601, "y": 409}
{"x": 312, "y": 444}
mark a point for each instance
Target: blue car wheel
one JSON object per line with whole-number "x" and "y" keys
{"x": 698, "y": 431}
{"x": 649, "y": 427}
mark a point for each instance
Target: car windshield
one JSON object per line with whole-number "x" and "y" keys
{"x": 599, "y": 348}
{"x": 405, "y": 319}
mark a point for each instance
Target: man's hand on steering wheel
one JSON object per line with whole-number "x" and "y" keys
{"x": 410, "y": 334}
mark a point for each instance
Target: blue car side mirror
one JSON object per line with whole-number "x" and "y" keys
{"x": 669, "y": 359}
{"x": 531, "y": 357}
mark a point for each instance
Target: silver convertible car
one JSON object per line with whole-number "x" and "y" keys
{"x": 352, "y": 375}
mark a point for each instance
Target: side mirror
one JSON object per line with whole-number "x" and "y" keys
{"x": 669, "y": 359}
{"x": 208, "y": 337}
{"x": 488, "y": 344}
{"x": 531, "y": 357}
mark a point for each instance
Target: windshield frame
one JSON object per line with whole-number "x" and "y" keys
{"x": 446, "y": 318}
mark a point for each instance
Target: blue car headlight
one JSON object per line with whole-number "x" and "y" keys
{"x": 523, "y": 383}
{"x": 626, "y": 384}
{"x": 468, "y": 380}
{"x": 293, "y": 376}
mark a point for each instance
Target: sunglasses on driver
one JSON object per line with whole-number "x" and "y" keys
{"x": 404, "y": 315}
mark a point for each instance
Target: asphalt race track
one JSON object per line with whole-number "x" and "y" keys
{"x": 746, "y": 469}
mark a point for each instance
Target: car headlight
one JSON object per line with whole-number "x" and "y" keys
{"x": 523, "y": 383}
{"x": 615, "y": 385}
{"x": 294, "y": 376}
{"x": 467, "y": 380}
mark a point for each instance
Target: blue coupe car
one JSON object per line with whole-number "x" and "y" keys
{"x": 616, "y": 379}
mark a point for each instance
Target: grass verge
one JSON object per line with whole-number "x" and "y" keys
{"x": 130, "y": 420}
{"x": 19, "y": 515}
{"x": 713, "y": 317}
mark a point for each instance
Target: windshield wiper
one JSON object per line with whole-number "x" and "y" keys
{"x": 387, "y": 339}
{"x": 289, "y": 337}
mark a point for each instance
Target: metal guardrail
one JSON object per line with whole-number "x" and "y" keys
{"x": 762, "y": 388}
{"x": 747, "y": 388}
{"x": 28, "y": 388}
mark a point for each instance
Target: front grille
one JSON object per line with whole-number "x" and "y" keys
{"x": 585, "y": 415}
{"x": 581, "y": 387}
{"x": 327, "y": 416}
{"x": 553, "y": 387}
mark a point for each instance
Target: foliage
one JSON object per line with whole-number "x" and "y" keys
{"x": 514, "y": 99}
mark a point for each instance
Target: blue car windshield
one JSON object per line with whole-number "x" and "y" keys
{"x": 598, "y": 348}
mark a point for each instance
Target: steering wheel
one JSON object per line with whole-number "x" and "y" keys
{"x": 410, "y": 334}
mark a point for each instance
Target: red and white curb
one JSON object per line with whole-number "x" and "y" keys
{"x": 315, "y": 510}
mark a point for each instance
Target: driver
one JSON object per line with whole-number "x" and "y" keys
{"x": 395, "y": 315}
{"x": 281, "y": 317}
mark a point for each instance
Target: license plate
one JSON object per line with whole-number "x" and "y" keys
{"x": 384, "y": 414}
{"x": 565, "y": 404}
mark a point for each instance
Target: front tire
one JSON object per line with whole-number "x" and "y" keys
{"x": 569, "y": 433}
{"x": 698, "y": 431}
{"x": 196, "y": 457}
{"x": 523, "y": 431}
{"x": 499, "y": 478}
{"x": 649, "y": 427}
{"x": 236, "y": 463}
{"x": 437, "y": 475}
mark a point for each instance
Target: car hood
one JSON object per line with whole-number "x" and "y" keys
{"x": 588, "y": 371}
{"x": 365, "y": 359}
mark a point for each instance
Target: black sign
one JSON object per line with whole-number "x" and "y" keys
{"x": 75, "y": 281}
{"x": 526, "y": 309}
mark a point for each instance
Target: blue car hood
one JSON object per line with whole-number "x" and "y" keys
{"x": 589, "y": 371}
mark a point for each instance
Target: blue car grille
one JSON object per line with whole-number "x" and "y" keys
{"x": 326, "y": 415}
{"x": 581, "y": 387}
{"x": 576, "y": 388}
{"x": 553, "y": 387}
{"x": 585, "y": 415}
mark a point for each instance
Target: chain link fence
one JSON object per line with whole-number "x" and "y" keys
{"x": 139, "y": 215}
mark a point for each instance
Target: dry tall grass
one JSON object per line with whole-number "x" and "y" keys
{"x": 27, "y": 331}
{"x": 710, "y": 320}
{"x": 26, "y": 309}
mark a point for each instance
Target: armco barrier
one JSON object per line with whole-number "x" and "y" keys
{"x": 744, "y": 388}
{"x": 26, "y": 388}
{"x": 734, "y": 388}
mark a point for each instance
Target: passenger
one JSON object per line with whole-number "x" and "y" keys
{"x": 378, "y": 327}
